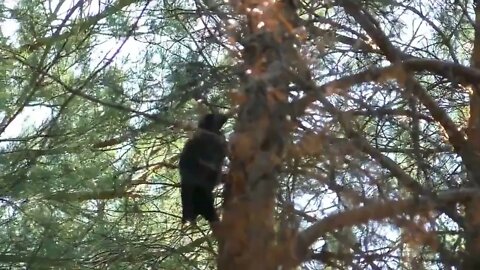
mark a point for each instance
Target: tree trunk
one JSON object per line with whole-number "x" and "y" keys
{"x": 248, "y": 238}
{"x": 472, "y": 215}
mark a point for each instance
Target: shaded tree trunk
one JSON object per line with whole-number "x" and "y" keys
{"x": 472, "y": 215}
{"x": 247, "y": 235}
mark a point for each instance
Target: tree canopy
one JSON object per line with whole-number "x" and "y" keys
{"x": 354, "y": 141}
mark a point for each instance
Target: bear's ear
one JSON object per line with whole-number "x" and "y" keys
{"x": 220, "y": 120}
{"x": 212, "y": 121}
{"x": 207, "y": 121}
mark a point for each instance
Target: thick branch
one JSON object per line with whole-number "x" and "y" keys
{"x": 376, "y": 212}
{"x": 462, "y": 74}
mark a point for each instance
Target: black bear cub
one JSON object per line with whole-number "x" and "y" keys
{"x": 200, "y": 168}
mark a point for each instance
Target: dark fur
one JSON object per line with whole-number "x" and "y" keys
{"x": 201, "y": 168}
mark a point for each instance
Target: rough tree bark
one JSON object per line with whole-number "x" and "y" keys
{"x": 248, "y": 235}
{"x": 472, "y": 215}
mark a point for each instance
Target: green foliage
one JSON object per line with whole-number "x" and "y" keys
{"x": 95, "y": 97}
